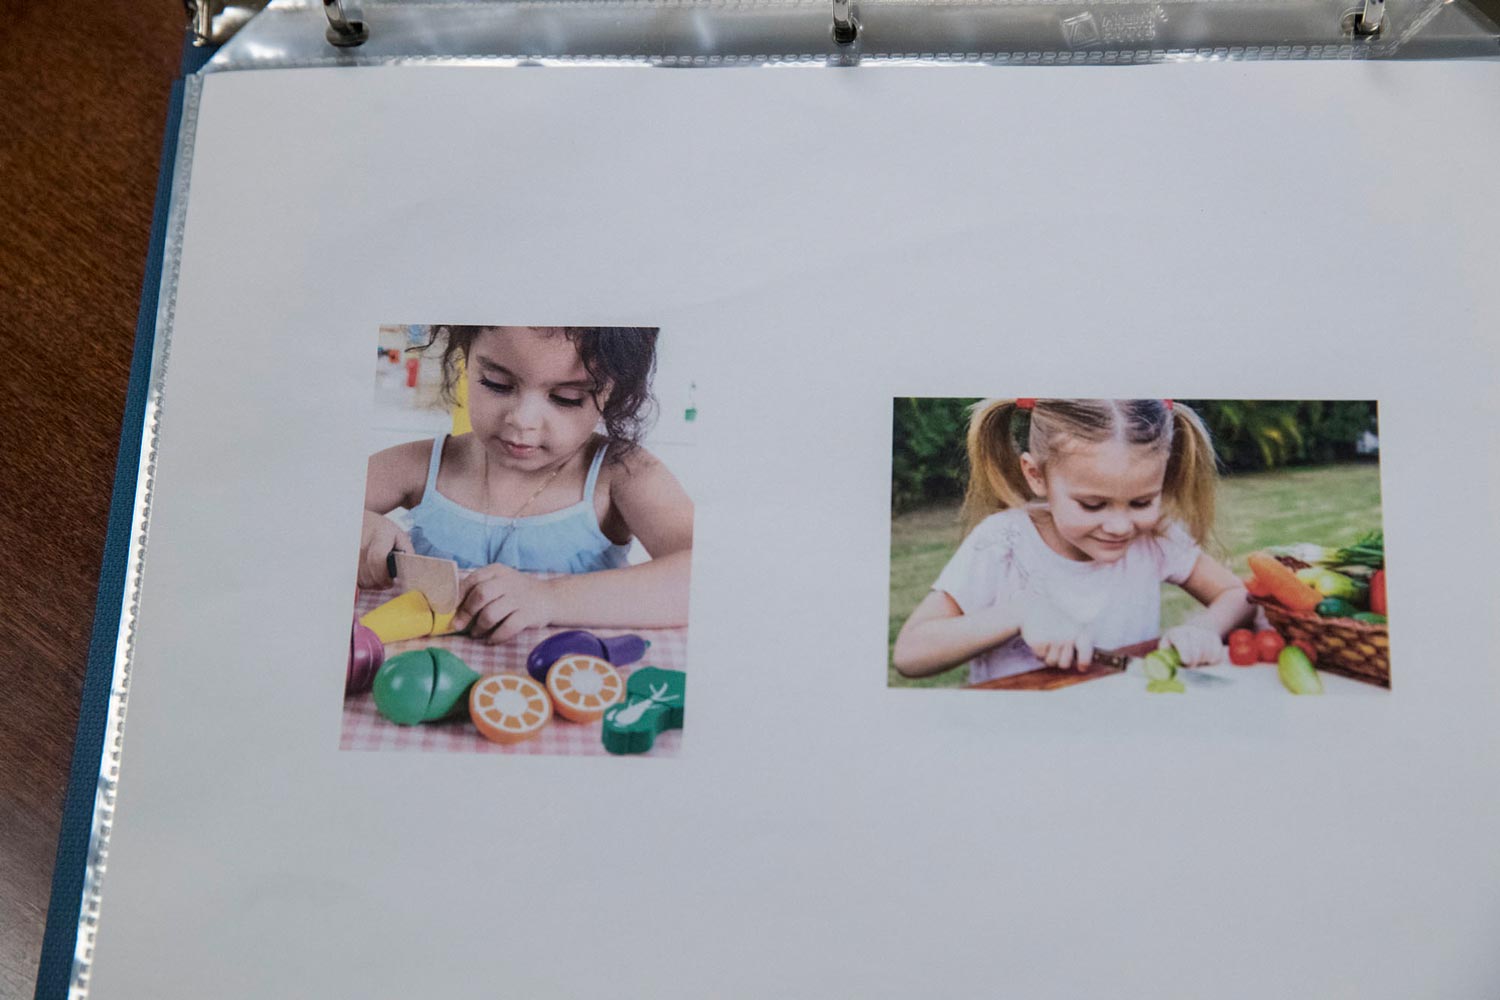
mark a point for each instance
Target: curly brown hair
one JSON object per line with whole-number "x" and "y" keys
{"x": 619, "y": 359}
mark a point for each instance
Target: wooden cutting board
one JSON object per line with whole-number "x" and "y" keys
{"x": 1105, "y": 664}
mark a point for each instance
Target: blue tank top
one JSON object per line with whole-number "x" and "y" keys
{"x": 562, "y": 541}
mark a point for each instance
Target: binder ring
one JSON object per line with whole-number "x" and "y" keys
{"x": 343, "y": 31}
{"x": 1369, "y": 18}
{"x": 845, "y": 27}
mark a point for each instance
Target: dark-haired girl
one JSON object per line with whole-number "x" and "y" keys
{"x": 552, "y": 480}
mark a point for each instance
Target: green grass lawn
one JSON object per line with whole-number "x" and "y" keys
{"x": 1329, "y": 505}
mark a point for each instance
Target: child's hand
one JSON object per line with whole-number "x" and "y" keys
{"x": 377, "y": 538}
{"x": 1055, "y": 638}
{"x": 497, "y": 602}
{"x": 1197, "y": 646}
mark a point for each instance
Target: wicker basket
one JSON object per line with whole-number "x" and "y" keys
{"x": 1361, "y": 650}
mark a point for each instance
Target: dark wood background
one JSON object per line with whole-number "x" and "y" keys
{"x": 83, "y": 103}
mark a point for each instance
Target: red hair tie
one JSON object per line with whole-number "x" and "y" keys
{"x": 1025, "y": 404}
{"x": 1169, "y": 404}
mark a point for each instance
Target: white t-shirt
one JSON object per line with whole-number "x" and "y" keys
{"x": 1120, "y": 601}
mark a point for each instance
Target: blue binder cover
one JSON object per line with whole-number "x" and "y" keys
{"x": 55, "y": 969}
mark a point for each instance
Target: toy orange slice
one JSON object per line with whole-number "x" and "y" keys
{"x": 508, "y": 708}
{"x": 582, "y": 687}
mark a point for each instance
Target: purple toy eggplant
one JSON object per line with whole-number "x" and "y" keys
{"x": 617, "y": 649}
{"x": 366, "y": 654}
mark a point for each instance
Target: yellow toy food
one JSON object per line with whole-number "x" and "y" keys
{"x": 407, "y": 616}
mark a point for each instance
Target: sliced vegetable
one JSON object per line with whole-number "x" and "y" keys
{"x": 1283, "y": 583}
{"x": 1370, "y": 617}
{"x": 1296, "y": 672}
{"x": 1171, "y": 686}
{"x": 1158, "y": 666}
{"x": 1268, "y": 645}
{"x": 1173, "y": 657}
{"x": 1377, "y": 593}
{"x": 1334, "y": 607}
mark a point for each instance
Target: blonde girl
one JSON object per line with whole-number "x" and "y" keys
{"x": 1069, "y": 537}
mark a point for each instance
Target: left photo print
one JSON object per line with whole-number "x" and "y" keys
{"x": 522, "y": 575}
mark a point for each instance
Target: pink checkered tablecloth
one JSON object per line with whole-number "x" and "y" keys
{"x": 365, "y": 729}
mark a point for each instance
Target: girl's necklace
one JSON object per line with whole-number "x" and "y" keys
{"x": 510, "y": 529}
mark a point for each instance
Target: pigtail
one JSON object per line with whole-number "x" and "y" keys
{"x": 1192, "y": 478}
{"x": 995, "y": 479}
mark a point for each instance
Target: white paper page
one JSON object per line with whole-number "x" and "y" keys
{"x": 811, "y": 245}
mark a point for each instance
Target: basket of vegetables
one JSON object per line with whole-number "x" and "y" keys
{"x": 1331, "y": 599}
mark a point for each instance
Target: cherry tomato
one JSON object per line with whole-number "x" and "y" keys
{"x": 1241, "y": 635}
{"x": 1242, "y": 654}
{"x": 1268, "y": 645}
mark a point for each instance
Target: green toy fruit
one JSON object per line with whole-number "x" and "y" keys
{"x": 422, "y": 685}
{"x": 450, "y": 690}
{"x": 1297, "y": 673}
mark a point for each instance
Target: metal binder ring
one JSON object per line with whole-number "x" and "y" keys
{"x": 845, "y": 27}
{"x": 1370, "y": 18}
{"x": 343, "y": 30}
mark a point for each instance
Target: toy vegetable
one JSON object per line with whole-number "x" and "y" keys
{"x": 652, "y": 705}
{"x": 616, "y": 649}
{"x": 366, "y": 654}
{"x": 423, "y": 685}
{"x": 407, "y": 616}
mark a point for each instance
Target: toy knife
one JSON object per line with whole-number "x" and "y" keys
{"x": 434, "y": 577}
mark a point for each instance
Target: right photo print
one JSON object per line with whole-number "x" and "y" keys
{"x": 1216, "y": 547}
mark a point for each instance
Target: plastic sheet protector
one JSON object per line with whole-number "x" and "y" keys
{"x": 887, "y": 531}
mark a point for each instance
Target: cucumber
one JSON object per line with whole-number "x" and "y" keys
{"x": 1297, "y": 673}
{"x": 1158, "y": 666}
{"x": 1368, "y": 616}
{"x": 1172, "y": 686}
{"x": 1336, "y": 607}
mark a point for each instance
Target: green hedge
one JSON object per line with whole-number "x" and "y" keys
{"x": 927, "y": 454}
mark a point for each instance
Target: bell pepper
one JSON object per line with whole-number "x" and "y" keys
{"x": 1377, "y": 592}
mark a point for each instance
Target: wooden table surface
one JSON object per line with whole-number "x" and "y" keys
{"x": 82, "y": 107}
